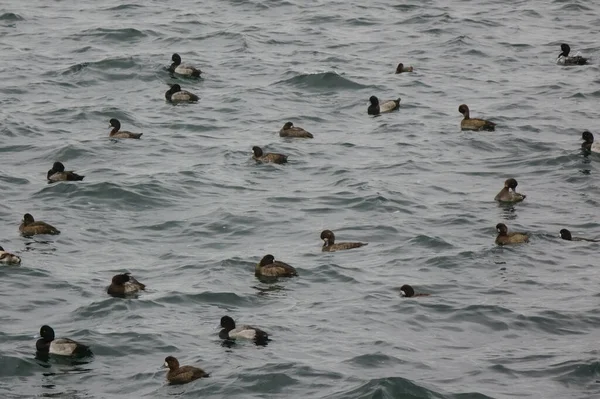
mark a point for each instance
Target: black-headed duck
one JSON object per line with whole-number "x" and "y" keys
{"x": 181, "y": 69}
{"x": 176, "y": 95}
{"x": 376, "y": 107}
{"x": 401, "y": 68}
{"x": 409, "y": 292}
{"x": 230, "y": 331}
{"x": 182, "y": 374}
{"x": 474, "y": 124}
{"x": 115, "y": 133}
{"x": 58, "y": 173}
{"x": 30, "y": 227}
{"x": 259, "y": 156}
{"x": 8, "y": 259}
{"x": 47, "y": 344}
{"x": 329, "y": 244}
{"x": 505, "y": 238}
{"x": 566, "y": 235}
{"x": 506, "y": 195}
{"x": 124, "y": 284}
{"x": 269, "y": 267}
{"x": 564, "y": 59}
{"x": 588, "y": 142}
{"x": 289, "y": 130}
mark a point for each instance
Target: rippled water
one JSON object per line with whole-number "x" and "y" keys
{"x": 189, "y": 214}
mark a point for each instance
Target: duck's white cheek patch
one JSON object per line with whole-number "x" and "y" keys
{"x": 166, "y": 364}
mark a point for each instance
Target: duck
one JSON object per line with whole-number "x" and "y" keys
{"x": 182, "y": 374}
{"x": 505, "y": 238}
{"x": 115, "y": 133}
{"x": 329, "y": 244}
{"x": 505, "y": 195}
{"x": 289, "y": 130}
{"x": 58, "y": 173}
{"x": 124, "y": 284}
{"x": 401, "y": 68}
{"x": 176, "y": 95}
{"x": 474, "y": 124}
{"x": 377, "y": 107}
{"x": 184, "y": 70}
{"x": 566, "y": 235}
{"x": 30, "y": 227}
{"x": 231, "y": 332}
{"x": 408, "y": 292}
{"x": 269, "y": 267}
{"x": 269, "y": 157}
{"x": 47, "y": 344}
{"x": 8, "y": 259}
{"x": 588, "y": 142}
{"x": 564, "y": 59}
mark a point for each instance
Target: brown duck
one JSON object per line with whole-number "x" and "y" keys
{"x": 566, "y": 235}
{"x": 269, "y": 157}
{"x": 409, "y": 292}
{"x": 506, "y": 238}
{"x": 269, "y": 267}
{"x": 115, "y": 133}
{"x": 124, "y": 284}
{"x": 329, "y": 244}
{"x": 182, "y": 374}
{"x": 474, "y": 124}
{"x": 289, "y": 130}
{"x": 30, "y": 227}
{"x": 505, "y": 195}
{"x": 9, "y": 259}
{"x": 401, "y": 68}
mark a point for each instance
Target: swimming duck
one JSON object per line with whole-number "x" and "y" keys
{"x": 329, "y": 244}
{"x": 30, "y": 227}
{"x": 182, "y": 374}
{"x": 269, "y": 267}
{"x": 588, "y": 142}
{"x": 61, "y": 346}
{"x": 566, "y": 235}
{"x": 564, "y": 59}
{"x": 184, "y": 70}
{"x": 258, "y": 155}
{"x": 504, "y": 238}
{"x": 505, "y": 195}
{"x": 9, "y": 259}
{"x": 58, "y": 173}
{"x": 176, "y": 95}
{"x": 289, "y": 130}
{"x": 230, "y": 331}
{"x": 377, "y": 108}
{"x": 408, "y": 291}
{"x": 124, "y": 284}
{"x": 474, "y": 124}
{"x": 401, "y": 68}
{"x": 121, "y": 134}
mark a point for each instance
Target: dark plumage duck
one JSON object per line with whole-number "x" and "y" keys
{"x": 505, "y": 195}
{"x": 376, "y": 107}
{"x": 8, "y": 259}
{"x": 230, "y": 331}
{"x": 182, "y": 374}
{"x": 269, "y": 267}
{"x": 401, "y": 68}
{"x": 505, "y": 238}
{"x": 566, "y": 235}
{"x": 289, "y": 130}
{"x": 115, "y": 133}
{"x": 329, "y": 244}
{"x": 474, "y": 124}
{"x": 176, "y": 95}
{"x": 588, "y": 142}
{"x": 564, "y": 59}
{"x": 183, "y": 70}
{"x": 408, "y": 291}
{"x": 124, "y": 284}
{"x": 258, "y": 155}
{"x": 47, "y": 344}
{"x": 58, "y": 173}
{"x": 30, "y": 227}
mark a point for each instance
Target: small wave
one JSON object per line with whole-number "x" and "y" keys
{"x": 121, "y": 35}
{"x": 323, "y": 80}
{"x": 10, "y": 16}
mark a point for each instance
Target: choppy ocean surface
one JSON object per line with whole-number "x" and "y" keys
{"x": 189, "y": 214}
